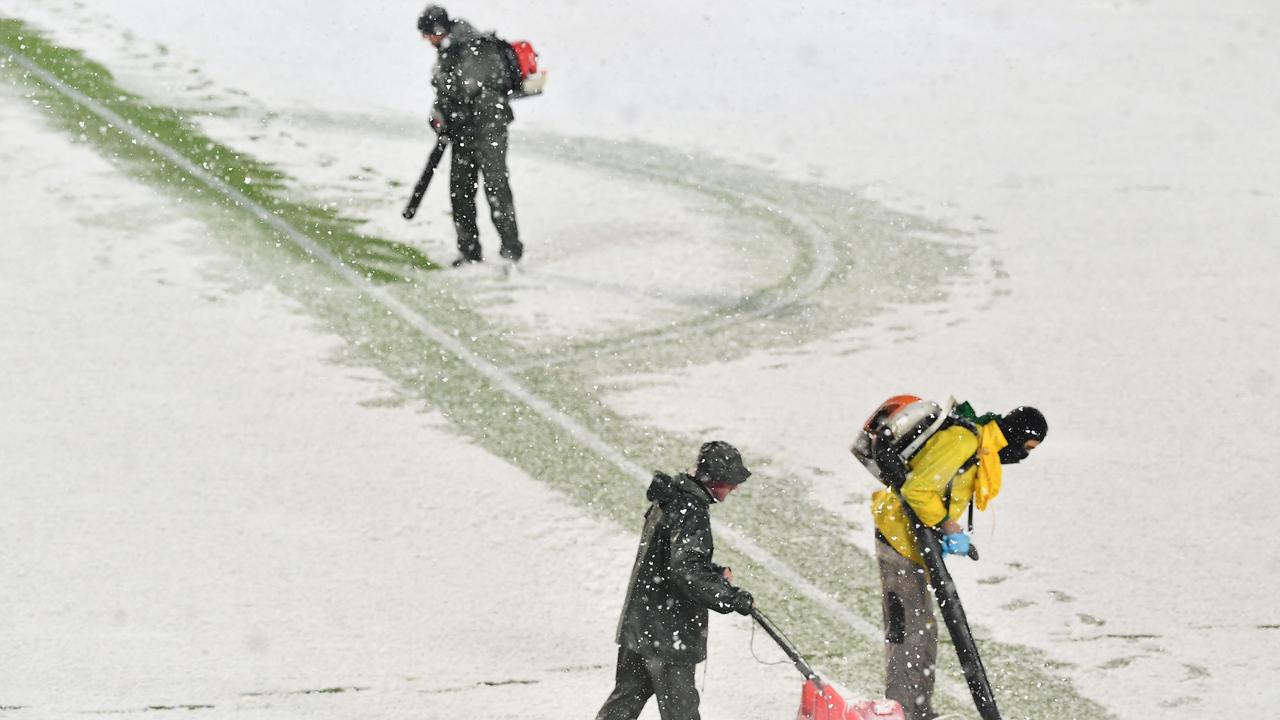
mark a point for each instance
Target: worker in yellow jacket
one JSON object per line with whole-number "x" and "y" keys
{"x": 956, "y": 465}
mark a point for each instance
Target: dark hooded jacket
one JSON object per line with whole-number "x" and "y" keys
{"x": 472, "y": 81}
{"x": 674, "y": 582}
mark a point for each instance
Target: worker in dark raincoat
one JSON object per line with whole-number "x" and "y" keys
{"x": 662, "y": 635}
{"x": 474, "y": 87}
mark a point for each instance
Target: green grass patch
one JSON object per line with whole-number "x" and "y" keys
{"x": 378, "y": 259}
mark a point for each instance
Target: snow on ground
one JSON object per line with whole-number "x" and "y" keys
{"x": 202, "y": 509}
{"x": 1120, "y": 159}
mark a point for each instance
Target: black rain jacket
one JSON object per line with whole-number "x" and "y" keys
{"x": 674, "y": 582}
{"x": 471, "y": 81}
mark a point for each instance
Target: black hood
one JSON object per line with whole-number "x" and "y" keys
{"x": 434, "y": 20}
{"x": 665, "y": 488}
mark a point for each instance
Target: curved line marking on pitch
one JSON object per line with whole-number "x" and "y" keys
{"x": 824, "y": 264}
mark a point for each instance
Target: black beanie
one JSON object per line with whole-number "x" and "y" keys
{"x": 1022, "y": 424}
{"x": 434, "y": 20}
{"x": 720, "y": 462}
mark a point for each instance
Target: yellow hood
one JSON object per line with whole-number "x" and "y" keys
{"x": 987, "y": 485}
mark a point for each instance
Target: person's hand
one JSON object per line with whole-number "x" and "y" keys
{"x": 743, "y": 603}
{"x": 728, "y": 575}
{"x": 437, "y": 122}
{"x": 955, "y": 543}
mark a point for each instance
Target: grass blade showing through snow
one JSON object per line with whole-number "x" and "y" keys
{"x": 377, "y": 259}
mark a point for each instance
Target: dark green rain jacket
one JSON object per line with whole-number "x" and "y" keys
{"x": 471, "y": 80}
{"x": 674, "y": 582}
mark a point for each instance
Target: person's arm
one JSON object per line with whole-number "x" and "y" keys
{"x": 695, "y": 576}
{"x": 931, "y": 470}
{"x": 439, "y": 83}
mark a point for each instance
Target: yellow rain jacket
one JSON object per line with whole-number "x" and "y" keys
{"x": 935, "y": 465}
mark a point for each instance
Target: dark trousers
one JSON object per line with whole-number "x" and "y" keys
{"x": 639, "y": 677}
{"x": 482, "y": 153}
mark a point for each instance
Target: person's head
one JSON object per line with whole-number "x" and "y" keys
{"x": 1024, "y": 427}
{"x": 720, "y": 469}
{"x": 434, "y": 24}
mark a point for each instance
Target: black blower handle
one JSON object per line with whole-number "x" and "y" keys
{"x": 787, "y": 647}
{"x": 420, "y": 189}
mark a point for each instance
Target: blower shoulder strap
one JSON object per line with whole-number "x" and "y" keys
{"x": 946, "y": 498}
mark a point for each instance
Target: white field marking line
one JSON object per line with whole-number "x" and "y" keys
{"x": 824, "y": 263}
{"x": 495, "y": 374}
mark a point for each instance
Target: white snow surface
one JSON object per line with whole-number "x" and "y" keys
{"x": 1122, "y": 159}
{"x": 204, "y": 510}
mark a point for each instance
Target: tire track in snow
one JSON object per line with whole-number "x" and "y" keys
{"x": 756, "y": 304}
{"x": 824, "y": 264}
{"x": 498, "y": 376}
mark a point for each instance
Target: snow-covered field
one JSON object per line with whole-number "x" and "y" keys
{"x": 222, "y": 491}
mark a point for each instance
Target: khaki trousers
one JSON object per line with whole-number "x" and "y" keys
{"x": 910, "y": 633}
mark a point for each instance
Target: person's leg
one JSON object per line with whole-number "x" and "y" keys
{"x": 497, "y": 189}
{"x": 675, "y": 688}
{"x": 911, "y": 633}
{"x": 631, "y": 690}
{"x": 463, "y": 182}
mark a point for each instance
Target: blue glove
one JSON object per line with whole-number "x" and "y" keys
{"x": 955, "y": 544}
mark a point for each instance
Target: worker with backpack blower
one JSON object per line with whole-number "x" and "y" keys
{"x": 475, "y": 78}
{"x": 941, "y": 462}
